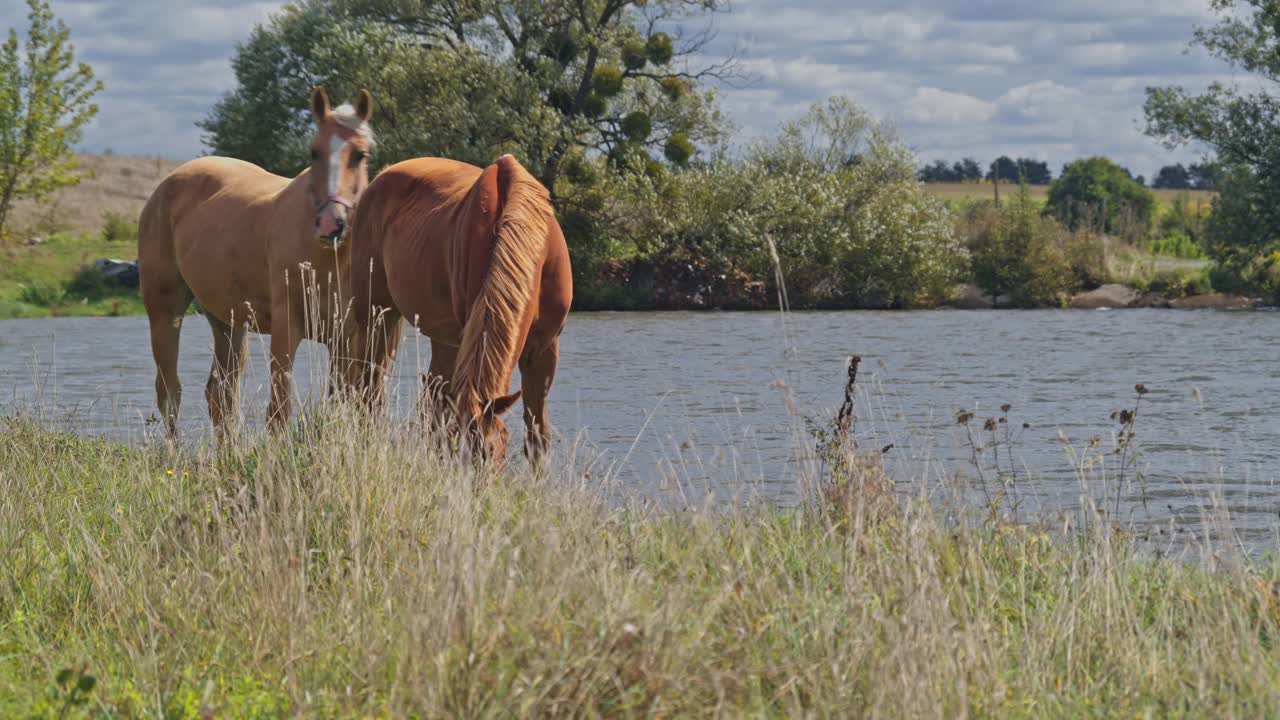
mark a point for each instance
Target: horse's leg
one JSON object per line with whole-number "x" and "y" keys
{"x": 285, "y": 338}
{"x": 230, "y": 343}
{"x": 166, "y": 298}
{"x": 374, "y": 355}
{"x": 537, "y": 372}
{"x": 435, "y": 393}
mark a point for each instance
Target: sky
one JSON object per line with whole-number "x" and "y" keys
{"x": 1048, "y": 80}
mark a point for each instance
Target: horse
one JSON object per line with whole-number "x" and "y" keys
{"x": 476, "y": 260}
{"x": 259, "y": 252}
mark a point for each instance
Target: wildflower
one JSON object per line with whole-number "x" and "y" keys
{"x": 169, "y": 471}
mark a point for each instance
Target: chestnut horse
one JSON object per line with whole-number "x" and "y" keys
{"x": 477, "y": 262}
{"x": 259, "y": 252}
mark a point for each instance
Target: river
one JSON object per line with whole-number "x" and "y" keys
{"x": 690, "y": 404}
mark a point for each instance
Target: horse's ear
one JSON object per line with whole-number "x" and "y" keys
{"x": 364, "y": 106}
{"x": 499, "y": 406}
{"x": 319, "y": 104}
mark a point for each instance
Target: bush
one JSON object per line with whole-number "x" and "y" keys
{"x": 1017, "y": 252}
{"x": 41, "y": 295}
{"x": 1099, "y": 195}
{"x": 1176, "y": 244}
{"x": 118, "y": 227}
{"x": 846, "y": 234}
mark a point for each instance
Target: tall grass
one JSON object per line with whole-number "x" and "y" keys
{"x": 355, "y": 571}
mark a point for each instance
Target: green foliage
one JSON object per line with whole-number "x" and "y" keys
{"x": 660, "y": 49}
{"x": 607, "y": 81}
{"x": 41, "y": 295}
{"x": 636, "y": 126}
{"x": 635, "y": 55}
{"x": 674, "y": 88}
{"x": 678, "y": 149}
{"x": 1240, "y": 123}
{"x": 45, "y": 103}
{"x": 1176, "y": 244}
{"x": 470, "y": 82}
{"x": 1017, "y": 252}
{"x": 119, "y": 228}
{"x": 1098, "y": 194}
{"x": 845, "y": 234}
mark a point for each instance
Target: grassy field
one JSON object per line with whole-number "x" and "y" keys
{"x": 1040, "y": 193}
{"x": 49, "y": 245}
{"x": 346, "y": 572}
{"x": 115, "y": 183}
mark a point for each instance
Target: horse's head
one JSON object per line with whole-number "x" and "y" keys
{"x": 487, "y": 432}
{"x": 339, "y": 162}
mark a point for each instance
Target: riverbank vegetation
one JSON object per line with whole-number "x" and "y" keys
{"x": 662, "y": 209}
{"x": 344, "y": 571}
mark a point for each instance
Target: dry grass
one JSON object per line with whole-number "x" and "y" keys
{"x": 1040, "y": 193}
{"x": 343, "y": 571}
{"x": 114, "y": 184}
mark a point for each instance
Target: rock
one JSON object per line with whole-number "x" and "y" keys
{"x": 1107, "y": 296}
{"x": 1216, "y": 301}
{"x": 1151, "y": 300}
{"x": 121, "y": 272}
{"x": 971, "y": 297}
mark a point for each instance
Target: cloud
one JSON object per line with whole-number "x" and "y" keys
{"x": 978, "y": 78}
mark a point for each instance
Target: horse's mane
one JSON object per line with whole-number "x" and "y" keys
{"x": 490, "y": 337}
{"x": 346, "y": 116}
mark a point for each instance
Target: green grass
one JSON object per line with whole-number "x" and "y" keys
{"x": 37, "y": 280}
{"x": 341, "y": 571}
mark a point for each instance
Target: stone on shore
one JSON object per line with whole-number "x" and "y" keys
{"x": 1215, "y": 301}
{"x": 1107, "y": 296}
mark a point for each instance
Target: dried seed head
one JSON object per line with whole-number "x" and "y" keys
{"x": 989, "y": 425}
{"x": 1006, "y": 407}
{"x": 1140, "y": 389}
{"x": 963, "y": 417}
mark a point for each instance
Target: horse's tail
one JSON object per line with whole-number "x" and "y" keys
{"x": 490, "y": 337}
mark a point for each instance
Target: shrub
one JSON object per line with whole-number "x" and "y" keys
{"x": 1017, "y": 252}
{"x": 1098, "y": 194}
{"x": 41, "y": 295}
{"x": 846, "y": 234}
{"x": 118, "y": 227}
{"x": 1176, "y": 244}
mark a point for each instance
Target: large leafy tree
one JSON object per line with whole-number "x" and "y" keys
{"x": 45, "y": 102}
{"x": 1097, "y": 193}
{"x": 471, "y": 78}
{"x": 1240, "y": 122}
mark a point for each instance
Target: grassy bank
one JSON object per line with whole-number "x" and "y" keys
{"x": 50, "y": 279}
{"x": 341, "y": 572}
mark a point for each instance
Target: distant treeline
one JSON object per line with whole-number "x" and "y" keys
{"x": 1197, "y": 176}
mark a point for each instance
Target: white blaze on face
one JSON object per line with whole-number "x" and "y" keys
{"x": 336, "y": 144}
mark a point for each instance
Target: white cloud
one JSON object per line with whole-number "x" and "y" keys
{"x": 980, "y": 78}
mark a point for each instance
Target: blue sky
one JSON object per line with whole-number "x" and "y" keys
{"x": 1054, "y": 81}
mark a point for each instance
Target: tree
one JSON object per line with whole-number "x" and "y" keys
{"x": 1172, "y": 177}
{"x": 939, "y": 172}
{"x": 1097, "y": 193}
{"x": 1034, "y": 172}
{"x": 969, "y": 170}
{"x": 472, "y": 79}
{"x": 45, "y": 102}
{"x": 1240, "y": 122}
{"x": 1204, "y": 176}
{"x": 1003, "y": 169}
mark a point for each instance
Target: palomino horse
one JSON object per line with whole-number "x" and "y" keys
{"x": 259, "y": 252}
{"x": 476, "y": 260}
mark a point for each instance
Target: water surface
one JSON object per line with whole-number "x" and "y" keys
{"x": 669, "y": 400}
